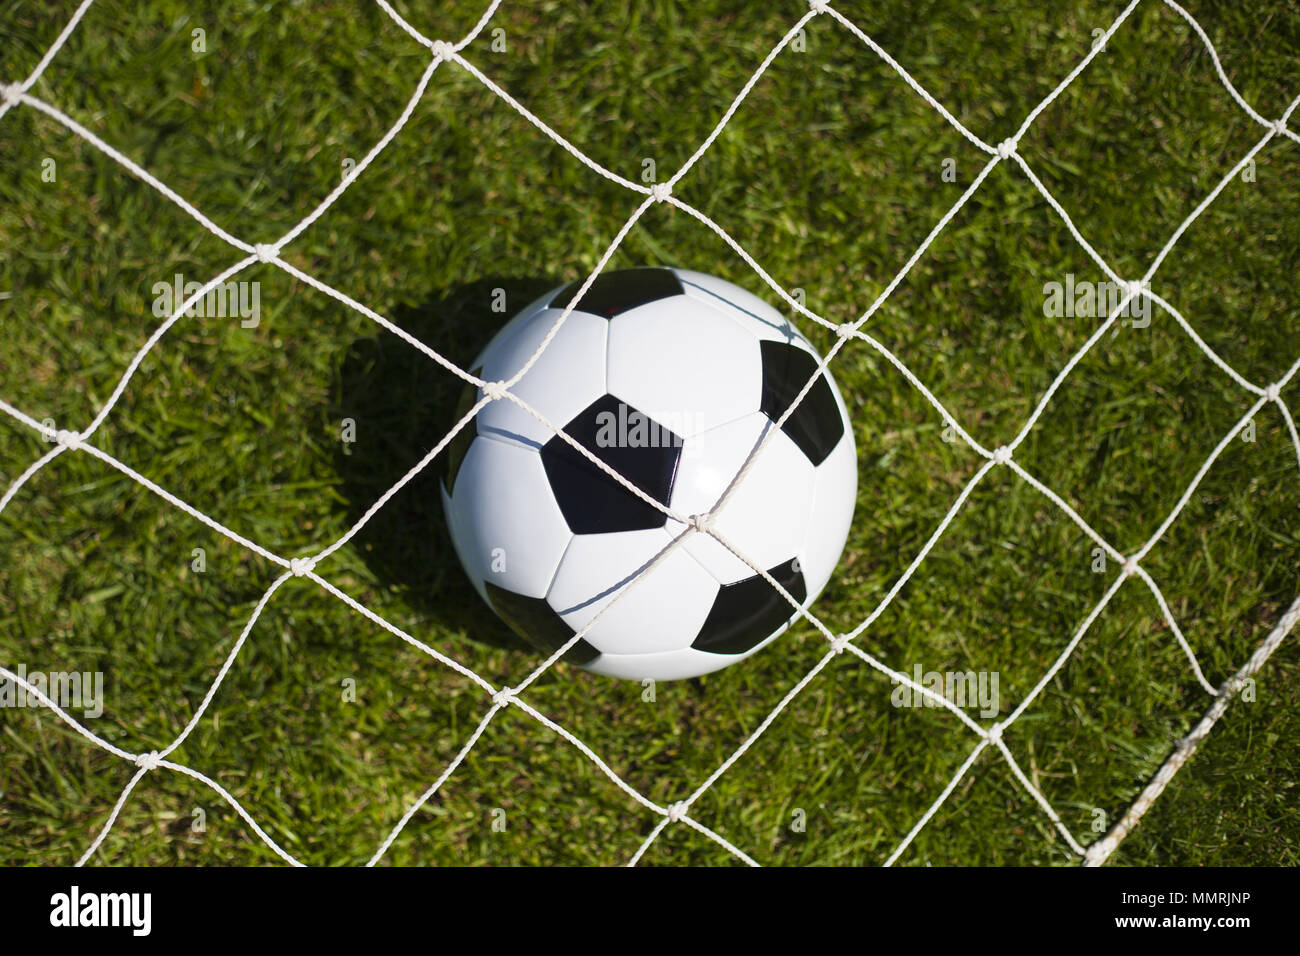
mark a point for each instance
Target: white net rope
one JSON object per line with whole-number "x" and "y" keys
{"x": 448, "y": 54}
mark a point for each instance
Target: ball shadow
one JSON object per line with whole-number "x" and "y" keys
{"x": 402, "y": 403}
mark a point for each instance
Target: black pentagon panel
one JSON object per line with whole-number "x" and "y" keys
{"x": 745, "y": 613}
{"x": 537, "y": 623}
{"x": 622, "y": 289}
{"x": 458, "y": 448}
{"x": 815, "y": 426}
{"x": 630, "y": 442}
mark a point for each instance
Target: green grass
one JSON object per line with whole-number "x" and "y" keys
{"x": 829, "y": 175}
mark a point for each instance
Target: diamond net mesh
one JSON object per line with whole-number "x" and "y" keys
{"x": 448, "y": 55}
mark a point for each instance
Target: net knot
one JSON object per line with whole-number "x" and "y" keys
{"x": 11, "y": 93}
{"x": 442, "y": 50}
{"x": 1001, "y": 455}
{"x": 1006, "y": 149}
{"x": 1130, "y": 566}
{"x": 661, "y": 191}
{"x": 676, "y": 811}
{"x": 1271, "y": 393}
{"x": 301, "y": 566}
{"x": 503, "y": 697}
{"x": 703, "y": 523}
{"x": 68, "y": 439}
{"x": 819, "y": 6}
{"x": 1279, "y": 126}
{"x": 845, "y": 329}
{"x": 495, "y": 390}
{"x": 838, "y": 644}
{"x": 148, "y": 761}
{"x": 265, "y": 252}
{"x": 994, "y": 734}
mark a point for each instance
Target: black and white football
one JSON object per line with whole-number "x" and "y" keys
{"x": 671, "y": 378}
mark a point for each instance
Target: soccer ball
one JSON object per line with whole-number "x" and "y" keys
{"x": 671, "y": 378}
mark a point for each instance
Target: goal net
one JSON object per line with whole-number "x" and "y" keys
{"x": 844, "y": 647}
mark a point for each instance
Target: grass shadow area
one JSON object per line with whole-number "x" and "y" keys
{"x": 400, "y": 404}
